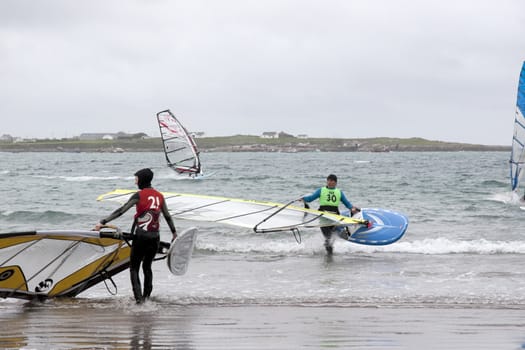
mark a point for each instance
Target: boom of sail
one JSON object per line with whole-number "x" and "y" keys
{"x": 179, "y": 147}
{"x": 260, "y": 216}
{"x": 517, "y": 155}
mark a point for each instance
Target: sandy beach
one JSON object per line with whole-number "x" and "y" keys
{"x": 120, "y": 324}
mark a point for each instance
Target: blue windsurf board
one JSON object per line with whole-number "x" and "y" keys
{"x": 385, "y": 227}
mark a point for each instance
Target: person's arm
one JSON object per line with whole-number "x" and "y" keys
{"x": 312, "y": 196}
{"x": 345, "y": 201}
{"x": 349, "y": 205}
{"x": 118, "y": 212}
{"x": 169, "y": 219}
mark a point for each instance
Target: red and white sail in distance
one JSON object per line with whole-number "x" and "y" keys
{"x": 179, "y": 147}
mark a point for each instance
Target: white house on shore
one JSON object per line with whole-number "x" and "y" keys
{"x": 96, "y": 136}
{"x": 196, "y": 134}
{"x": 270, "y": 135}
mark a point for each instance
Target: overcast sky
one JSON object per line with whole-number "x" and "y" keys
{"x": 438, "y": 69}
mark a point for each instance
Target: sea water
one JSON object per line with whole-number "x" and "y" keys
{"x": 464, "y": 247}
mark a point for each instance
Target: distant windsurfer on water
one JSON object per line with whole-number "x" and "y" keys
{"x": 329, "y": 199}
{"x": 146, "y": 237}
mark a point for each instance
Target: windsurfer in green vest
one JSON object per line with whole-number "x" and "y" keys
{"x": 150, "y": 204}
{"x": 329, "y": 199}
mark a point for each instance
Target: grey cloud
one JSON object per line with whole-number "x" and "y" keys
{"x": 430, "y": 69}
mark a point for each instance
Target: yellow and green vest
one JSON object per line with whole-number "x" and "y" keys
{"x": 330, "y": 197}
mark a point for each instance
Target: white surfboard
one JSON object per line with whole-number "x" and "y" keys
{"x": 179, "y": 254}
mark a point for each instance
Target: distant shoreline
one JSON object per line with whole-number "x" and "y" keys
{"x": 247, "y": 143}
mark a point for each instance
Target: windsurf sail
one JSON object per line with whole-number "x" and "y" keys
{"x": 260, "y": 216}
{"x": 517, "y": 155}
{"x": 63, "y": 263}
{"x": 179, "y": 147}
{"x": 54, "y": 263}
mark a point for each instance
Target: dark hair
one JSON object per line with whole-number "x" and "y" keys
{"x": 332, "y": 177}
{"x": 144, "y": 177}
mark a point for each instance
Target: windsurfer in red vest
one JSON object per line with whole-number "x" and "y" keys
{"x": 150, "y": 204}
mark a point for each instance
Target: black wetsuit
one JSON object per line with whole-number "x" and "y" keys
{"x": 149, "y": 204}
{"x": 143, "y": 250}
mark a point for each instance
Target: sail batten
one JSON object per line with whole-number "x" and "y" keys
{"x": 517, "y": 156}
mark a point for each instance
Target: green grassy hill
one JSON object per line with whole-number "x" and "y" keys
{"x": 243, "y": 143}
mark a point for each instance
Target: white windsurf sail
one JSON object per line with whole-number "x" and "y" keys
{"x": 179, "y": 147}
{"x": 63, "y": 263}
{"x": 260, "y": 216}
{"x": 55, "y": 263}
{"x": 517, "y": 155}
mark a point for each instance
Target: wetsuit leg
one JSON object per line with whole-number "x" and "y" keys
{"x": 136, "y": 257}
{"x": 150, "y": 250}
{"x": 327, "y": 231}
{"x": 328, "y": 242}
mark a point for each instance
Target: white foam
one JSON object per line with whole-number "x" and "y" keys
{"x": 437, "y": 246}
{"x": 274, "y": 247}
{"x": 510, "y": 197}
{"x": 84, "y": 178}
{"x": 314, "y": 245}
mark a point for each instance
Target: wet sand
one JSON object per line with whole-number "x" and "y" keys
{"x": 119, "y": 324}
